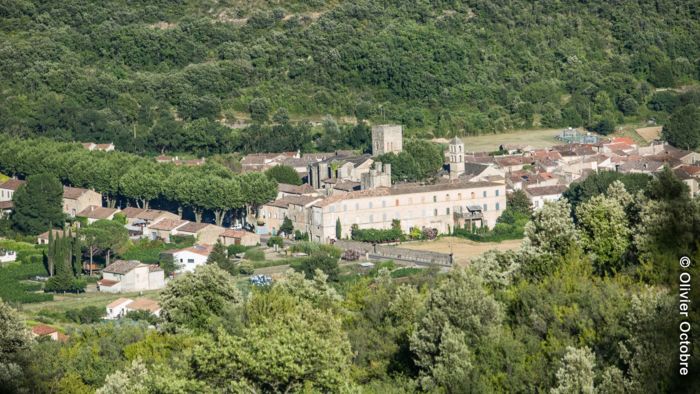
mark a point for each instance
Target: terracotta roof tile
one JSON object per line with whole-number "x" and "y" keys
{"x": 43, "y": 329}
{"x": 72, "y": 193}
{"x": 94, "y": 212}
{"x": 12, "y": 184}
{"x": 193, "y": 227}
{"x": 167, "y": 224}
{"x": 118, "y": 302}
{"x": 122, "y": 266}
{"x": 144, "y": 304}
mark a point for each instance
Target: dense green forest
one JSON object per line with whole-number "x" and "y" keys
{"x": 170, "y": 75}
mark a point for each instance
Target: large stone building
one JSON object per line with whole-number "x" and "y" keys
{"x": 437, "y": 206}
{"x": 379, "y": 176}
{"x": 76, "y": 199}
{"x": 325, "y": 173}
{"x": 387, "y": 139}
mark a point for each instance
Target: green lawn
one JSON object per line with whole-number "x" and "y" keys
{"x": 64, "y": 302}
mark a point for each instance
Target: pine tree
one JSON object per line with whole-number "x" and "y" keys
{"x": 219, "y": 257}
{"x": 338, "y": 229}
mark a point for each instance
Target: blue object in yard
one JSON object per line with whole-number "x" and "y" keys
{"x": 261, "y": 280}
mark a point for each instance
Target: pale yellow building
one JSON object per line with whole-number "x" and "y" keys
{"x": 434, "y": 206}
{"x": 76, "y": 199}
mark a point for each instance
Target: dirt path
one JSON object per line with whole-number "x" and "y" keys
{"x": 463, "y": 249}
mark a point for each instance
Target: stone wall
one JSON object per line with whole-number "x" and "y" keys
{"x": 395, "y": 253}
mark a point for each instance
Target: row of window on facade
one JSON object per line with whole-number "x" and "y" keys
{"x": 370, "y": 205}
{"x": 409, "y": 215}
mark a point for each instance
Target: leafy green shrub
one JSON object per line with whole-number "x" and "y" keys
{"x": 142, "y": 316}
{"x": 307, "y": 247}
{"x": 236, "y": 249}
{"x": 246, "y": 268}
{"x": 403, "y": 272}
{"x": 299, "y": 236}
{"x": 65, "y": 284}
{"x": 254, "y": 255}
{"x": 276, "y": 240}
{"x": 120, "y": 218}
{"x": 86, "y": 315}
{"x": 319, "y": 260}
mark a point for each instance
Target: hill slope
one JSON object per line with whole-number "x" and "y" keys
{"x": 118, "y": 70}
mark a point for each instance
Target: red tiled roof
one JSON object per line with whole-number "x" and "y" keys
{"x": 231, "y": 233}
{"x": 192, "y": 227}
{"x": 122, "y": 266}
{"x": 95, "y": 212}
{"x": 12, "y": 184}
{"x": 7, "y": 205}
{"x": 118, "y": 302}
{"x": 144, "y": 304}
{"x": 72, "y": 193}
{"x": 167, "y": 224}
{"x": 43, "y": 329}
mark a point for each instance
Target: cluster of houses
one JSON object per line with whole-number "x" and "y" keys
{"x": 76, "y": 201}
{"x": 356, "y": 190}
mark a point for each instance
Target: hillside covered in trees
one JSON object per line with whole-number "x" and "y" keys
{"x": 168, "y": 76}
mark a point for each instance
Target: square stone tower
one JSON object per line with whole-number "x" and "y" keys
{"x": 387, "y": 138}
{"x": 456, "y": 158}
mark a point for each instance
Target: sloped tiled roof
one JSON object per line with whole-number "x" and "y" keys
{"x": 43, "y": 329}
{"x": 72, "y": 193}
{"x": 118, "y": 302}
{"x": 545, "y": 190}
{"x": 122, "y": 266}
{"x": 204, "y": 250}
{"x": 94, "y": 212}
{"x": 193, "y": 227}
{"x": 144, "y": 304}
{"x": 12, "y": 184}
{"x": 167, "y": 224}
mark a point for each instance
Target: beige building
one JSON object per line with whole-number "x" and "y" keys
{"x": 163, "y": 229}
{"x": 76, "y": 199}
{"x": 297, "y": 208}
{"x": 435, "y": 206}
{"x": 127, "y": 276}
{"x": 145, "y": 216}
{"x": 239, "y": 237}
{"x": 538, "y": 195}
{"x": 8, "y": 188}
{"x": 387, "y": 139}
{"x": 205, "y": 233}
{"x": 94, "y": 213}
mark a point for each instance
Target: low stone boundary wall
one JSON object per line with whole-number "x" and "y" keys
{"x": 396, "y": 253}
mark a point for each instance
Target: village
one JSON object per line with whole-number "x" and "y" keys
{"x": 343, "y": 192}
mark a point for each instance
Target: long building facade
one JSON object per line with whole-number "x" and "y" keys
{"x": 441, "y": 206}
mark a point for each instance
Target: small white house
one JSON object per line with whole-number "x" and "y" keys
{"x": 117, "y": 308}
{"x": 7, "y": 256}
{"x": 190, "y": 258}
{"x": 120, "y": 307}
{"x": 538, "y": 195}
{"x": 126, "y": 276}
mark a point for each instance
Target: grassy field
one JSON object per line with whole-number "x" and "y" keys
{"x": 464, "y": 250}
{"x": 539, "y": 138}
{"x": 64, "y": 302}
